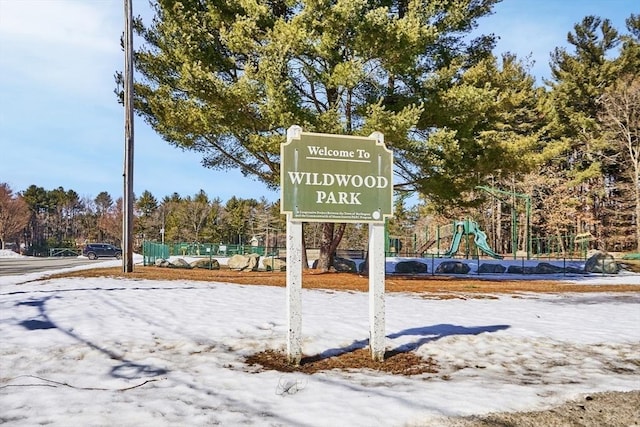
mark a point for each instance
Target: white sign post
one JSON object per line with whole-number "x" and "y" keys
{"x": 329, "y": 178}
{"x": 376, "y": 292}
{"x": 294, "y": 291}
{"x": 294, "y": 279}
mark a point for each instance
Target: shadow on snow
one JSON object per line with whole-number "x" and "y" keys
{"x": 127, "y": 369}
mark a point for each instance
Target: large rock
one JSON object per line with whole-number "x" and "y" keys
{"x": 411, "y": 267}
{"x": 212, "y": 264}
{"x": 274, "y": 264}
{"x": 180, "y": 263}
{"x": 345, "y": 265}
{"x": 517, "y": 269}
{"x": 453, "y": 267}
{"x": 243, "y": 262}
{"x": 238, "y": 262}
{"x": 601, "y": 262}
{"x": 342, "y": 265}
{"x": 491, "y": 268}
{"x": 546, "y": 268}
{"x": 574, "y": 270}
{"x": 161, "y": 262}
{"x": 363, "y": 267}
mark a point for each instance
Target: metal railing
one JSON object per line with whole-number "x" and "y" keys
{"x": 62, "y": 252}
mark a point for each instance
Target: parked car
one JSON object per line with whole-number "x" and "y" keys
{"x": 98, "y": 250}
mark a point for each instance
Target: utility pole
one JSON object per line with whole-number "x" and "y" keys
{"x": 127, "y": 217}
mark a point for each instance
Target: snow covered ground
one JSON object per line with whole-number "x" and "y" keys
{"x": 127, "y": 352}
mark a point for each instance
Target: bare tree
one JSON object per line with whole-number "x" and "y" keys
{"x": 14, "y": 214}
{"x": 620, "y": 119}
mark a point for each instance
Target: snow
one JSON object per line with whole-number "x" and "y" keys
{"x": 6, "y": 253}
{"x": 130, "y": 352}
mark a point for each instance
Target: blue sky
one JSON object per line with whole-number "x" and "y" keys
{"x": 60, "y": 124}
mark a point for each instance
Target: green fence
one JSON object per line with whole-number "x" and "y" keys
{"x": 152, "y": 251}
{"x": 219, "y": 249}
{"x": 571, "y": 246}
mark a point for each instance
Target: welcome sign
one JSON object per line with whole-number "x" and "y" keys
{"x": 336, "y": 178}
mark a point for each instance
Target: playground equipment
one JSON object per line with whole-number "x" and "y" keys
{"x": 467, "y": 227}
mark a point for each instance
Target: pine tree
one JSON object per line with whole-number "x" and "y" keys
{"x": 578, "y": 80}
{"x": 147, "y": 224}
{"x": 228, "y": 78}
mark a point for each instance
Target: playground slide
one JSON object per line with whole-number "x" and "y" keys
{"x": 480, "y": 239}
{"x": 455, "y": 243}
{"x": 481, "y": 243}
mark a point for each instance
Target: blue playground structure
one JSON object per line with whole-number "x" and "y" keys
{"x": 465, "y": 228}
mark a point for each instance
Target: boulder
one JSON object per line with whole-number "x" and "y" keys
{"x": 161, "y": 262}
{"x": 212, "y": 264}
{"x": 601, "y": 262}
{"x": 180, "y": 263}
{"x": 491, "y": 268}
{"x": 546, "y": 268}
{"x": 254, "y": 261}
{"x": 343, "y": 265}
{"x": 411, "y": 267}
{"x": 517, "y": 269}
{"x": 574, "y": 270}
{"x": 274, "y": 264}
{"x": 239, "y": 262}
{"x": 453, "y": 267}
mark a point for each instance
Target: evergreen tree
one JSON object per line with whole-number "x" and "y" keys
{"x": 484, "y": 127}
{"x": 170, "y": 218}
{"x": 228, "y": 78}
{"x": 579, "y": 78}
{"x": 147, "y": 224}
{"x": 37, "y": 199}
{"x": 237, "y": 218}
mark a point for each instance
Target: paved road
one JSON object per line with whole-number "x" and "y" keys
{"x": 23, "y": 265}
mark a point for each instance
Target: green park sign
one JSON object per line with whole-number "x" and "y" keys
{"x": 336, "y": 178}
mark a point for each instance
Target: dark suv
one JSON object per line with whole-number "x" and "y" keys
{"x": 97, "y": 250}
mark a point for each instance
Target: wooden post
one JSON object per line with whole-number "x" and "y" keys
{"x": 127, "y": 217}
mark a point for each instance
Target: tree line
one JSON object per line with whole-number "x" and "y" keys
{"x": 37, "y": 219}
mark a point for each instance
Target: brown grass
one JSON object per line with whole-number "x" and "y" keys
{"x": 430, "y": 286}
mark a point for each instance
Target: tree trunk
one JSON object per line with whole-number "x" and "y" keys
{"x": 636, "y": 184}
{"x": 305, "y": 260}
{"x": 329, "y": 241}
{"x": 498, "y": 236}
